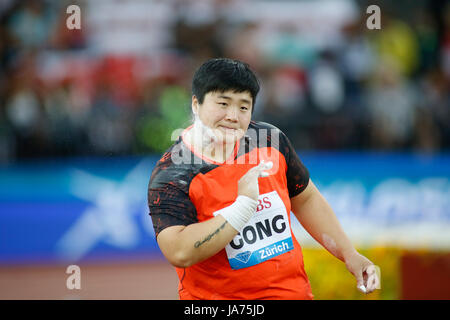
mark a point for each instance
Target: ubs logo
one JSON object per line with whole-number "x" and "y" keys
{"x": 263, "y": 204}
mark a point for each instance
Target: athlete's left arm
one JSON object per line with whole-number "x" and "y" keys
{"x": 319, "y": 220}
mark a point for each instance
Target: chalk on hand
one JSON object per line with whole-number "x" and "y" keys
{"x": 265, "y": 166}
{"x": 362, "y": 288}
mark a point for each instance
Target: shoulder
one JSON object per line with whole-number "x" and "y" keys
{"x": 262, "y": 125}
{"x": 177, "y": 168}
{"x": 264, "y": 129}
{"x": 168, "y": 171}
{"x": 266, "y": 135}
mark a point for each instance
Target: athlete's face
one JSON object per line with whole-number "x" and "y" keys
{"x": 227, "y": 113}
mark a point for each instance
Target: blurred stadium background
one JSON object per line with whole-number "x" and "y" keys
{"x": 85, "y": 114}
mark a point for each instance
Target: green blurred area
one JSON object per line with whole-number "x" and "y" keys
{"x": 154, "y": 131}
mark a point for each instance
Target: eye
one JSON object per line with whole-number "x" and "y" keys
{"x": 244, "y": 108}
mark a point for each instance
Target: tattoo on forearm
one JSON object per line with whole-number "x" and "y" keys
{"x": 199, "y": 243}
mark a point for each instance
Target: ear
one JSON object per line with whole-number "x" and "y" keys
{"x": 195, "y": 105}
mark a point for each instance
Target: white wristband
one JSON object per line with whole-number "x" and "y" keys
{"x": 238, "y": 213}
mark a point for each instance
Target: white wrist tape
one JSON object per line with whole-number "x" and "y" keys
{"x": 238, "y": 213}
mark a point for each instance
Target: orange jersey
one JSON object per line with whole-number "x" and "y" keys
{"x": 264, "y": 260}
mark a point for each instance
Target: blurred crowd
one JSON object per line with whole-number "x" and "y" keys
{"x": 75, "y": 93}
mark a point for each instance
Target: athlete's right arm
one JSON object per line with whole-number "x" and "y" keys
{"x": 184, "y": 246}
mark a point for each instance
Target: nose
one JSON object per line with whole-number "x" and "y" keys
{"x": 232, "y": 114}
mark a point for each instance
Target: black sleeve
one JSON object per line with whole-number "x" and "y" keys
{"x": 297, "y": 174}
{"x": 170, "y": 206}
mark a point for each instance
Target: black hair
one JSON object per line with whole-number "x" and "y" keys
{"x": 223, "y": 74}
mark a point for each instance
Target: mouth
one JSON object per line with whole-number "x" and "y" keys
{"x": 228, "y": 129}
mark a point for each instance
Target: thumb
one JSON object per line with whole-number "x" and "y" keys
{"x": 259, "y": 169}
{"x": 360, "y": 281}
